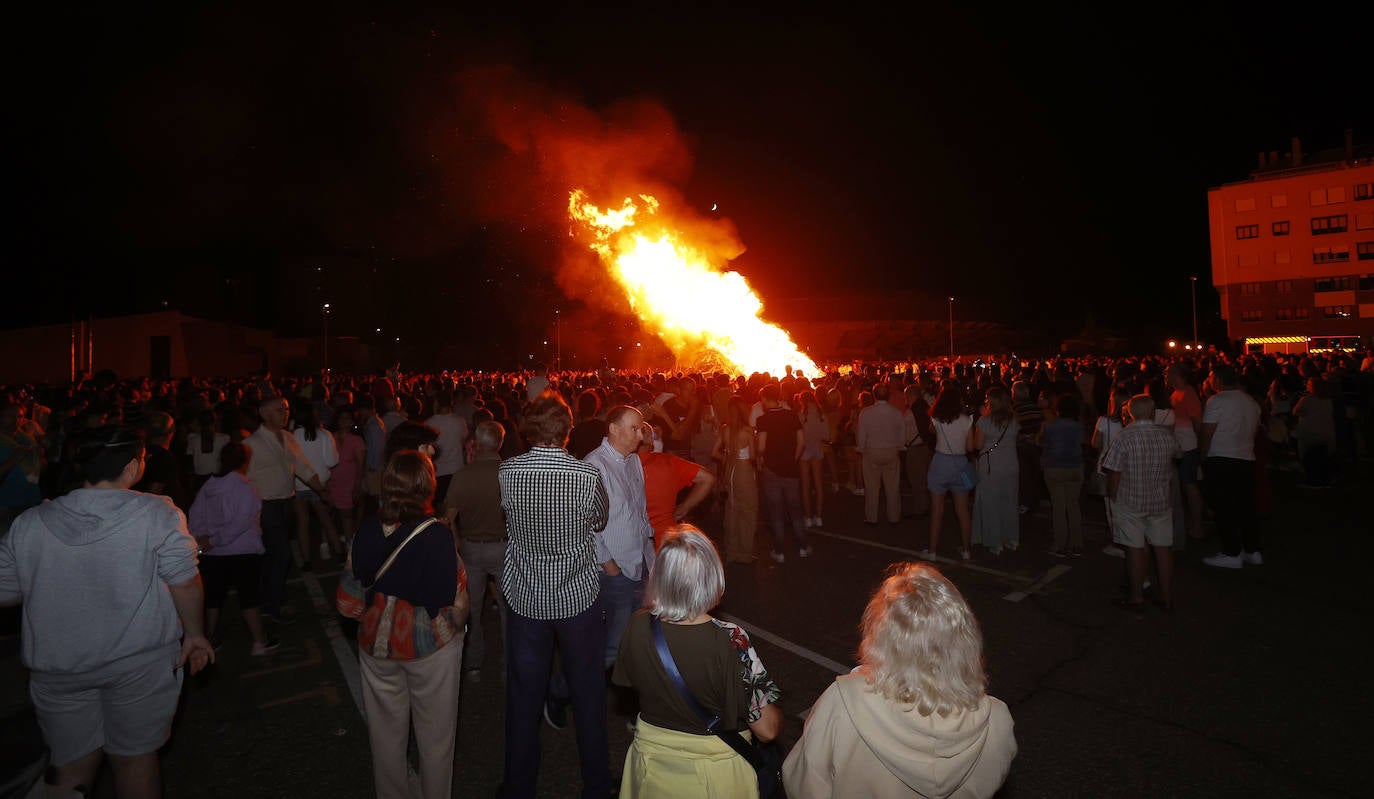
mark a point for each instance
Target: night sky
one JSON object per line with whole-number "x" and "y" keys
{"x": 1045, "y": 166}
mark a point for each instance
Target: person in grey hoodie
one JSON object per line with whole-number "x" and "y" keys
{"x": 112, "y": 611}
{"x": 914, "y": 719}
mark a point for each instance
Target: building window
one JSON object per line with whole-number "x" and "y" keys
{"x": 1252, "y": 316}
{"x": 1278, "y": 201}
{"x": 1342, "y": 283}
{"x": 1331, "y": 255}
{"x": 1321, "y": 225}
{"x": 1338, "y": 311}
{"x": 1250, "y": 231}
{"x": 1364, "y": 191}
{"x": 1283, "y": 286}
{"x": 1249, "y": 289}
{"x": 1280, "y": 228}
{"x": 1364, "y": 221}
{"x": 1246, "y": 204}
{"x": 1366, "y": 282}
{"x": 1284, "y": 314}
{"x": 1335, "y": 194}
{"x": 1302, "y": 313}
{"x": 1365, "y": 250}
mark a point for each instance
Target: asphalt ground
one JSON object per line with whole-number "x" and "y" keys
{"x": 1256, "y": 685}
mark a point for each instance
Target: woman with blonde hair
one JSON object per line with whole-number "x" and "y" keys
{"x": 914, "y": 719}
{"x": 718, "y": 690}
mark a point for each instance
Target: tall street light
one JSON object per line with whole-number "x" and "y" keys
{"x": 951, "y": 328}
{"x": 558, "y": 340}
{"x": 1193, "y": 278}
{"x": 324, "y": 314}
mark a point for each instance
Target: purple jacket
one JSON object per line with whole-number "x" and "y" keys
{"x": 227, "y": 509}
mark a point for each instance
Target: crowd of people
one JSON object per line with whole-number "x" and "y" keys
{"x": 572, "y": 493}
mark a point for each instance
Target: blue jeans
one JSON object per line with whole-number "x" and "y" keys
{"x": 529, "y": 656}
{"x": 622, "y": 597}
{"x": 782, "y": 501}
{"x": 277, "y": 524}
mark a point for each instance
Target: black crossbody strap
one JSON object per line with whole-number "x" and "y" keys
{"x": 734, "y": 739}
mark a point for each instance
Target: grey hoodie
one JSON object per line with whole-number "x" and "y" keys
{"x": 92, "y": 569}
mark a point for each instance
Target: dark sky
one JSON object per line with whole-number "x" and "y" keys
{"x": 1045, "y": 165}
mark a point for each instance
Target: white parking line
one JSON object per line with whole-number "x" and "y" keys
{"x": 1054, "y": 573}
{"x": 329, "y": 618}
{"x": 936, "y": 558}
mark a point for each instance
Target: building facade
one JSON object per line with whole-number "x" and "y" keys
{"x": 1293, "y": 251}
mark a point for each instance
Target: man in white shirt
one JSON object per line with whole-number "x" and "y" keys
{"x": 1227, "y": 443}
{"x": 879, "y": 437}
{"x": 536, "y": 385}
{"x": 453, "y": 436}
{"x": 276, "y": 464}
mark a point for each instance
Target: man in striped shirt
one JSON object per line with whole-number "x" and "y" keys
{"x": 553, "y": 503}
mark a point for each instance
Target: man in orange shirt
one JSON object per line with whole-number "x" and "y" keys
{"x": 665, "y": 475}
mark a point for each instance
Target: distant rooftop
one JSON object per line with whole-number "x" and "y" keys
{"x": 1275, "y": 165}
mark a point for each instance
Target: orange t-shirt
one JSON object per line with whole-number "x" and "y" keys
{"x": 665, "y": 475}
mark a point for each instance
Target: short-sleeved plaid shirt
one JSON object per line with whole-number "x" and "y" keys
{"x": 1144, "y": 454}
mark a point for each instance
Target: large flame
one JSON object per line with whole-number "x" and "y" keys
{"x": 704, "y": 314}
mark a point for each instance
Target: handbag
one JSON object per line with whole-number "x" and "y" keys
{"x": 765, "y": 758}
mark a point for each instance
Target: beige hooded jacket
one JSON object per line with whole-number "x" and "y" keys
{"x": 857, "y": 743}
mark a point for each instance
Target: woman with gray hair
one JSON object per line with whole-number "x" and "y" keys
{"x": 673, "y": 752}
{"x": 914, "y": 719}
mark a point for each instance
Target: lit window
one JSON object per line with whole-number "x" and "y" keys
{"x": 1337, "y": 311}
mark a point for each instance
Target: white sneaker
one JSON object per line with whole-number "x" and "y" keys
{"x": 815, "y": 521}
{"x": 806, "y": 522}
{"x": 1252, "y": 558}
{"x": 1114, "y": 550}
{"x": 1013, "y": 545}
{"x": 858, "y": 492}
{"x": 804, "y": 552}
{"x": 777, "y": 556}
{"x": 1224, "y": 561}
{"x": 965, "y": 554}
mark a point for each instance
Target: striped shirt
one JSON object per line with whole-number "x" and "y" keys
{"x": 553, "y": 504}
{"x": 1144, "y": 455}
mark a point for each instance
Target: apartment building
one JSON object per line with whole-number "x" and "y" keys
{"x": 1293, "y": 250}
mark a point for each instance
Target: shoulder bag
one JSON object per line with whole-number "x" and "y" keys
{"x": 765, "y": 758}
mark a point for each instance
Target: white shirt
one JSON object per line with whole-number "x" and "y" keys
{"x": 205, "y": 462}
{"x": 880, "y": 427}
{"x": 1237, "y": 416}
{"x": 321, "y": 453}
{"x": 952, "y": 438}
{"x": 535, "y": 386}
{"x": 277, "y": 460}
{"x": 453, "y": 434}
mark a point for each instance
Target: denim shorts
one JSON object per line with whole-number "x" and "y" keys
{"x": 943, "y": 476}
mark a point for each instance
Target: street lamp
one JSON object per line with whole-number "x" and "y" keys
{"x": 1193, "y": 278}
{"x": 951, "y": 328}
{"x": 324, "y": 314}
{"x": 558, "y": 340}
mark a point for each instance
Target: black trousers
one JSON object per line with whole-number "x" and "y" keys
{"x": 1230, "y": 486}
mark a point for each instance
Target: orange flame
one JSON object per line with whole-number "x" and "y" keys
{"x": 703, "y": 313}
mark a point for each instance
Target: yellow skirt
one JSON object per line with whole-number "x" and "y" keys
{"x": 669, "y": 763}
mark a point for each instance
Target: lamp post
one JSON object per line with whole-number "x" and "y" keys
{"x": 1193, "y": 278}
{"x": 324, "y": 314}
{"x": 558, "y": 340}
{"x": 951, "y": 328}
